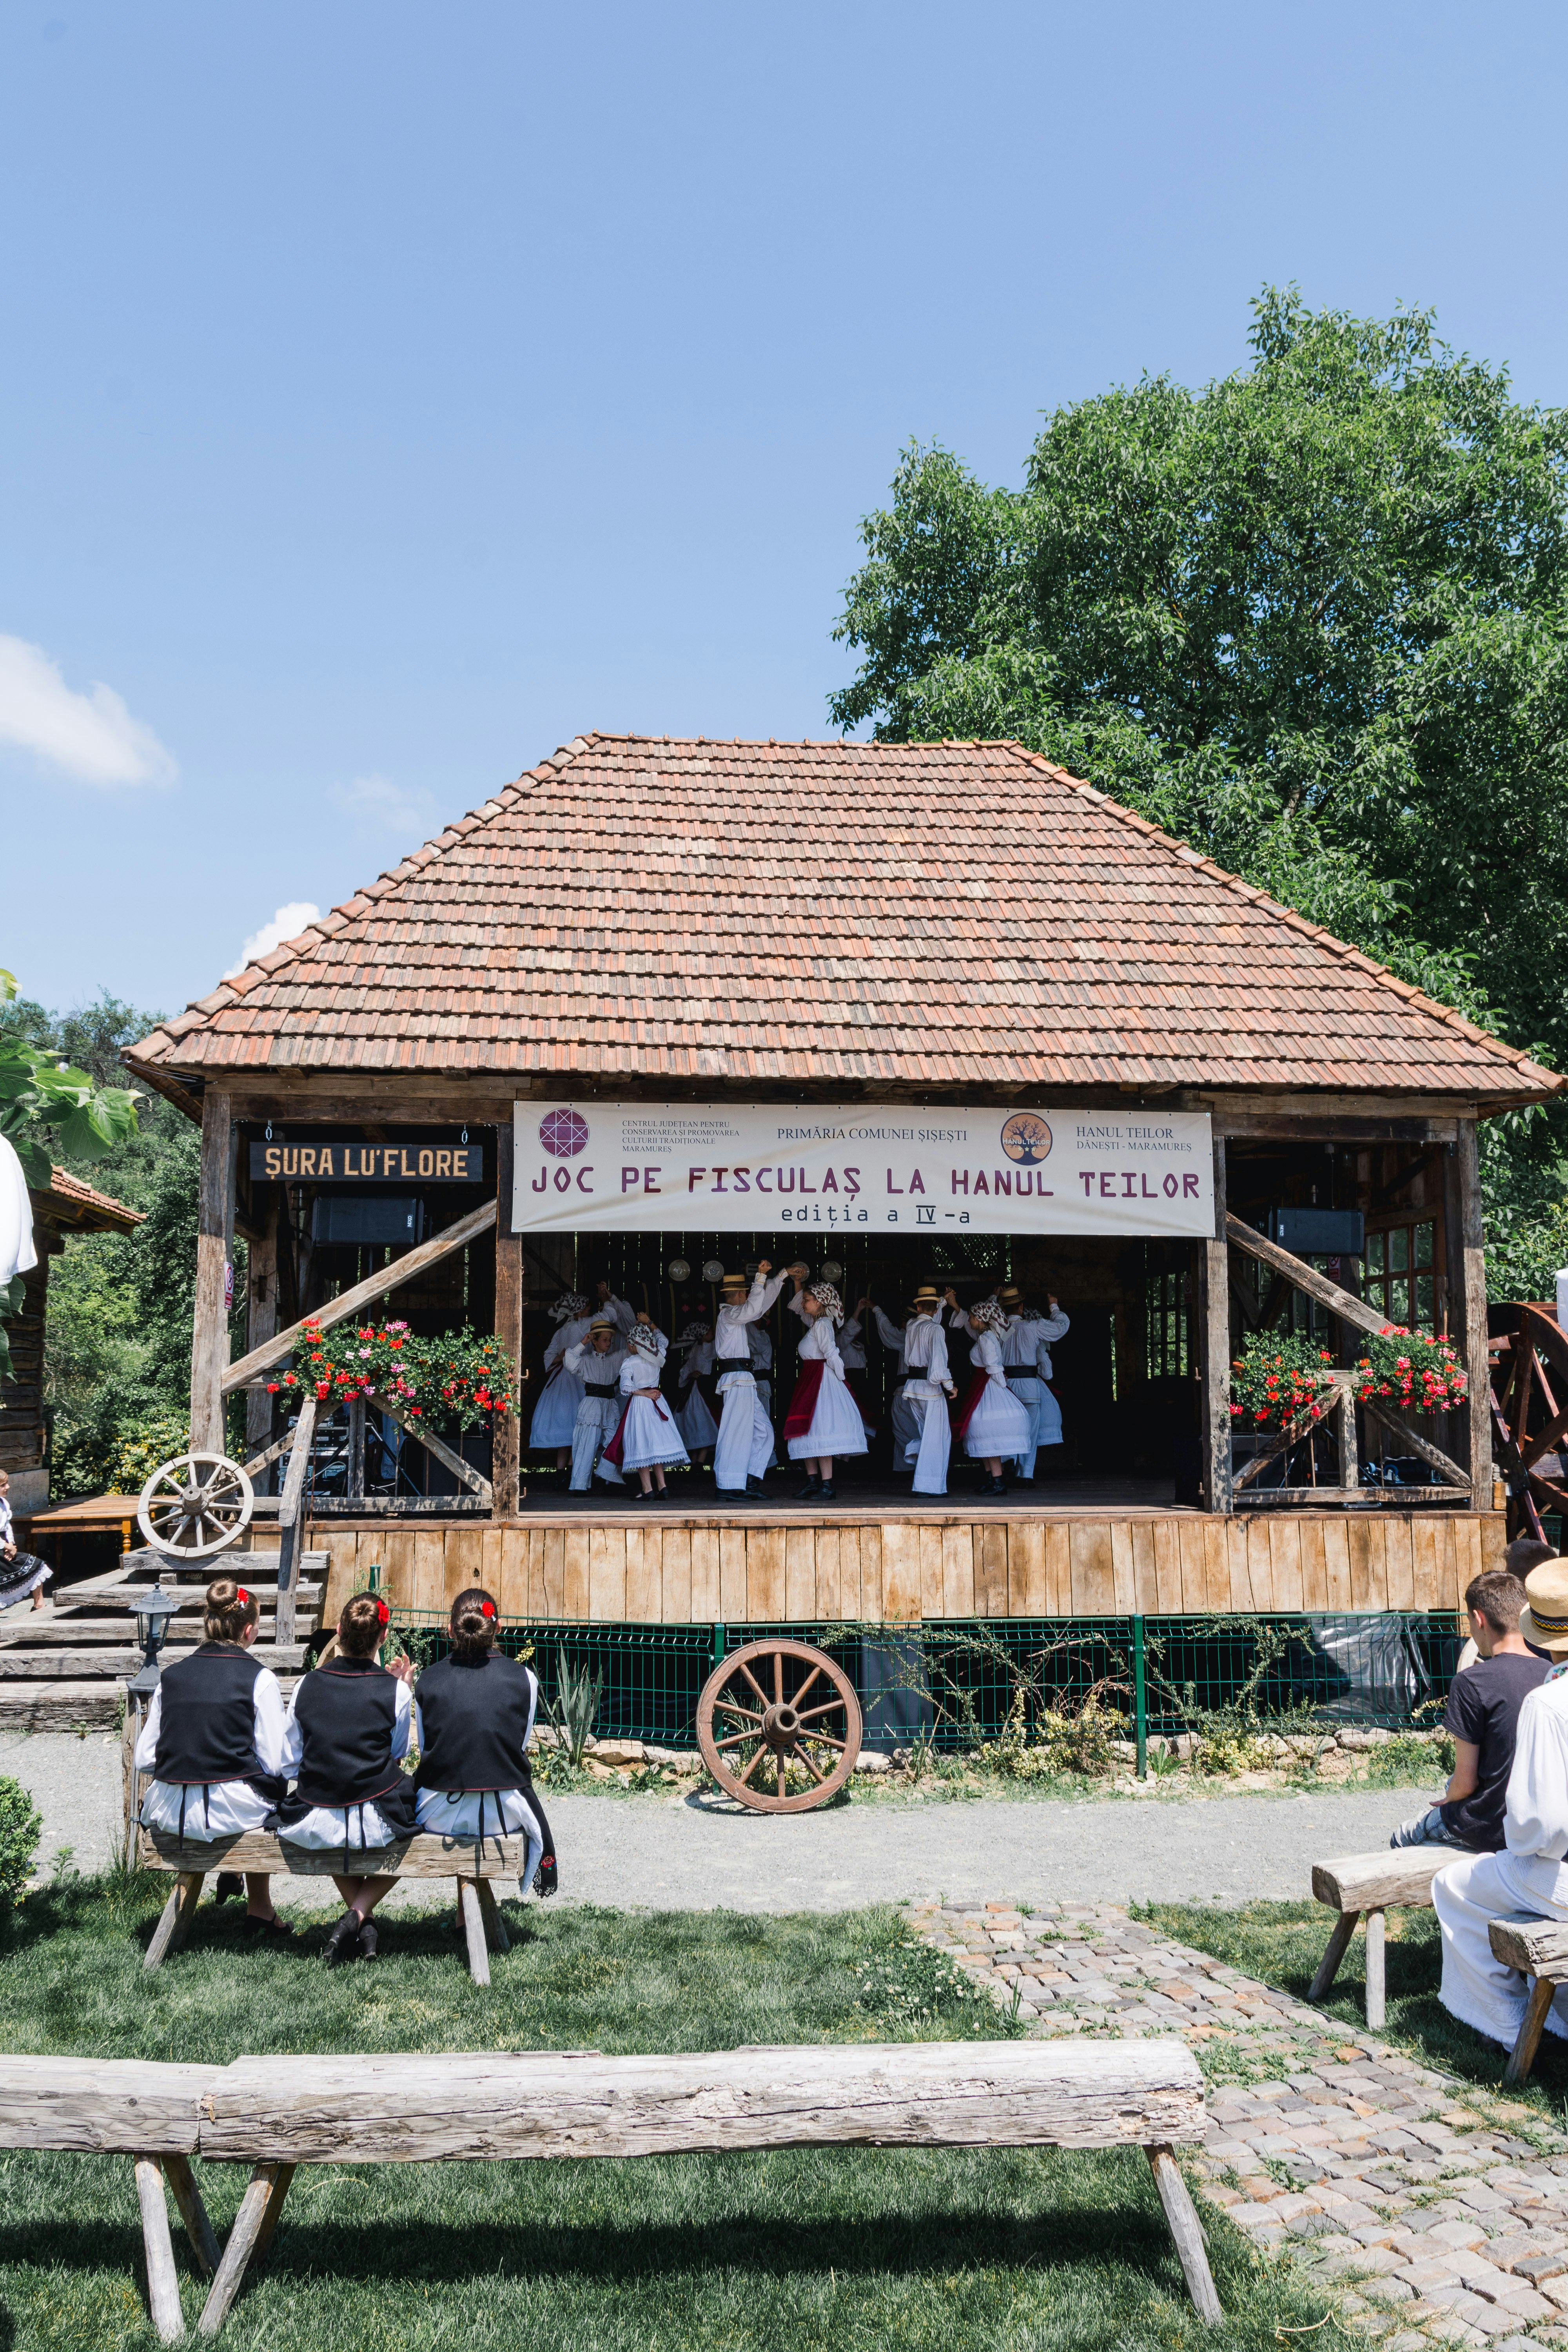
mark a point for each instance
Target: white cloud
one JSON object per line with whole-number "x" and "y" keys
{"x": 92, "y": 736}
{"x": 383, "y": 806}
{"x": 286, "y": 924}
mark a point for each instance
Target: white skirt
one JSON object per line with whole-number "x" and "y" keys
{"x": 341, "y": 1829}
{"x": 473, "y": 1813}
{"x": 835, "y": 1425}
{"x": 695, "y": 1422}
{"x": 209, "y": 1809}
{"x": 651, "y": 1438}
{"x": 999, "y": 1425}
{"x": 555, "y": 1415}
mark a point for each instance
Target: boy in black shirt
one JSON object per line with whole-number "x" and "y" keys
{"x": 1482, "y": 1714}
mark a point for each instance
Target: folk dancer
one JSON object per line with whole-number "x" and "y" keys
{"x": 346, "y": 1735}
{"x": 646, "y": 1439}
{"x": 22, "y": 1574}
{"x": 994, "y": 1425}
{"x": 555, "y": 1415}
{"x": 473, "y": 1720}
{"x": 745, "y": 1433}
{"x": 824, "y": 1420}
{"x": 214, "y": 1742}
{"x": 1530, "y": 1874}
{"x": 596, "y": 1361}
{"x": 695, "y": 1422}
{"x": 851, "y": 1345}
{"x": 906, "y": 1416}
{"x": 926, "y": 1391}
{"x": 1026, "y": 1359}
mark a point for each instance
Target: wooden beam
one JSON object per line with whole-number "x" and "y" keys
{"x": 1468, "y": 1294}
{"x": 1344, "y": 1303}
{"x": 289, "y": 1512}
{"x": 504, "y": 1460}
{"x": 464, "y": 1472}
{"x": 348, "y": 1302}
{"x": 1420, "y": 1445}
{"x": 209, "y": 1336}
{"x": 261, "y": 1323}
{"x": 1214, "y": 1323}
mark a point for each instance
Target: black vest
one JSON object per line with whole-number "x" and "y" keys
{"x": 206, "y": 1719}
{"x": 346, "y": 1712}
{"x": 474, "y": 1720}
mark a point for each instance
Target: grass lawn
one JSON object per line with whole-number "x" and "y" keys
{"x": 845, "y": 2250}
{"x": 1283, "y": 1942}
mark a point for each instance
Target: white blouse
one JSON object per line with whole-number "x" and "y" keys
{"x": 820, "y": 1345}
{"x": 985, "y": 1355}
{"x": 215, "y": 1808}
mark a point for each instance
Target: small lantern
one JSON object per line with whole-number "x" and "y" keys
{"x": 153, "y": 1612}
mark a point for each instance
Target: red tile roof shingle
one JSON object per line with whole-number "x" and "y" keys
{"x": 923, "y": 914}
{"x": 69, "y": 1201}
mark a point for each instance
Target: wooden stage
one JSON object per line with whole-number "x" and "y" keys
{"x": 765, "y": 1565}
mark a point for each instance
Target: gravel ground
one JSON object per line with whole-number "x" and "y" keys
{"x": 687, "y": 1853}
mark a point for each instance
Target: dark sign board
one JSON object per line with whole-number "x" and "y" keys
{"x": 362, "y": 1163}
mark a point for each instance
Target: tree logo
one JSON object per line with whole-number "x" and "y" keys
{"x": 1027, "y": 1137}
{"x": 564, "y": 1134}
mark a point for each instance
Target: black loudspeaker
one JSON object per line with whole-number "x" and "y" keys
{"x": 1317, "y": 1233}
{"x": 350, "y": 1217}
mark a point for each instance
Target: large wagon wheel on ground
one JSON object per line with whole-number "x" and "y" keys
{"x": 1529, "y": 1419}
{"x": 779, "y": 1712}
{"x": 195, "y": 1505}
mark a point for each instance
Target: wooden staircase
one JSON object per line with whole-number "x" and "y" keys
{"x": 63, "y": 1669}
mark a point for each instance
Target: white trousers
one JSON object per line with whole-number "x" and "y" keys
{"x": 929, "y": 1451}
{"x": 1045, "y": 1420}
{"x": 1476, "y": 1987}
{"x": 908, "y": 1424}
{"x": 594, "y": 1427}
{"x": 745, "y": 1435}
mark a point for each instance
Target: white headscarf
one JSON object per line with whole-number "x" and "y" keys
{"x": 568, "y": 1306}
{"x": 16, "y": 1251}
{"x": 827, "y": 1299}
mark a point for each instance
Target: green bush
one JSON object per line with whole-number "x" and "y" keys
{"x": 21, "y": 1826}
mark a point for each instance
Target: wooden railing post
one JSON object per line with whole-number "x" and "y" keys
{"x": 260, "y": 1322}
{"x": 1467, "y": 1296}
{"x": 209, "y": 1338}
{"x": 1214, "y": 1325}
{"x": 509, "y": 1331}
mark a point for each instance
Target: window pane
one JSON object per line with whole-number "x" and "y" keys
{"x": 1423, "y": 1301}
{"x": 1424, "y": 1240}
{"x": 1374, "y": 1252}
{"x": 1399, "y": 1292}
{"x": 1399, "y": 1249}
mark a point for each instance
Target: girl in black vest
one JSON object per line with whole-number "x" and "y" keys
{"x": 348, "y": 1727}
{"x": 214, "y": 1739}
{"x": 473, "y": 1718}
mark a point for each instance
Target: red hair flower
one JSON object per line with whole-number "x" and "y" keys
{"x": 486, "y": 1609}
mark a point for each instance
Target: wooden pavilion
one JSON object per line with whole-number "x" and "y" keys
{"x": 644, "y": 921}
{"x": 68, "y": 1206}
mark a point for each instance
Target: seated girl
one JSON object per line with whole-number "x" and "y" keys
{"x": 473, "y": 1718}
{"x": 347, "y": 1729}
{"x": 214, "y": 1742}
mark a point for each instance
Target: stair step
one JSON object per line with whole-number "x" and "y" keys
{"x": 112, "y": 1666}
{"x": 114, "y": 1633}
{"x": 60, "y": 1706}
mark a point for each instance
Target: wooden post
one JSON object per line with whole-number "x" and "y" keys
{"x": 1532, "y": 2025}
{"x": 255, "y": 2208}
{"x": 1375, "y": 1981}
{"x": 209, "y": 1338}
{"x": 290, "y": 1516}
{"x": 178, "y": 1912}
{"x": 1188, "y": 2232}
{"x": 356, "y": 1450}
{"x": 260, "y": 1322}
{"x": 473, "y": 1919}
{"x": 204, "y": 2248}
{"x": 509, "y": 1331}
{"x": 495, "y": 1927}
{"x": 162, "y": 2279}
{"x": 1467, "y": 1298}
{"x": 1328, "y": 1966}
{"x": 1214, "y": 1327}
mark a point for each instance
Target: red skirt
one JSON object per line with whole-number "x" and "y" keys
{"x": 613, "y": 1451}
{"x": 966, "y": 1411}
{"x": 803, "y": 1404}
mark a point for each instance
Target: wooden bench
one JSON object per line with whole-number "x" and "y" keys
{"x": 1537, "y": 1948}
{"x": 1394, "y": 1878}
{"x": 422, "y": 1856}
{"x": 275, "y": 2114}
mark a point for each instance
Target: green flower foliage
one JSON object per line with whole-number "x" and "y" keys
{"x": 1279, "y": 1376}
{"x": 21, "y": 1826}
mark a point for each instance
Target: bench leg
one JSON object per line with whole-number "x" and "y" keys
{"x": 1188, "y": 2232}
{"x": 1522, "y": 2058}
{"x": 1375, "y": 1973}
{"x": 1338, "y": 1944}
{"x": 163, "y": 2284}
{"x": 474, "y": 1930}
{"x": 495, "y": 1925}
{"x": 273, "y": 2214}
{"x": 254, "y": 2207}
{"x": 178, "y": 1912}
{"x": 193, "y": 2213}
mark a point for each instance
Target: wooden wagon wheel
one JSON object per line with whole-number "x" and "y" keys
{"x": 1529, "y": 1419}
{"x": 195, "y": 1505}
{"x": 779, "y": 1703}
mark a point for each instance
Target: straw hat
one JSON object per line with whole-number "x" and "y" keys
{"x": 738, "y": 1282}
{"x": 928, "y": 1295}
{"x": 1009, "y": 1297}
{"x": 603, "y": 1323}
{"x": 1544, "y": 1622}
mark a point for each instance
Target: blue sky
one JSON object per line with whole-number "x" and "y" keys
{"x": 390, "y": 392}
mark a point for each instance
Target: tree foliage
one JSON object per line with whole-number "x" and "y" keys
{"x": 1312, "y": 617}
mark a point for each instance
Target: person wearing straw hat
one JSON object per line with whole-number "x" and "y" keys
{"x": 746, "y": 1434}
{"x": 554, "y": 1421}
{"x": 697, "y": 1428}
{"x": 1027, "y": 1361}
{"x": 596, "y": 1361}
{"x": 926, "y": 1393}
{"x": 1529, "y": 1873}
{"x": 908, "y": 1412}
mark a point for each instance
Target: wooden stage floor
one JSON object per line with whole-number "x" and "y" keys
{"x": 694, "y": 1500}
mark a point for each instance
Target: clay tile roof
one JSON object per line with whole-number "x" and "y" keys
{"x": 910, "y": 914}
{"x": 69, "y": 1201}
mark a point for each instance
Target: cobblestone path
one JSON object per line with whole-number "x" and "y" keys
{"x": 1426, "y": 2211}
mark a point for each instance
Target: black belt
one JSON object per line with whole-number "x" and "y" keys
{"x": 1021, "y": 1372}
{"x": 601, "y": 1388}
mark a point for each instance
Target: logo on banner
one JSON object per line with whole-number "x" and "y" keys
{"x": 564, "y": 1134}
{"x": 1027, "y": 1137}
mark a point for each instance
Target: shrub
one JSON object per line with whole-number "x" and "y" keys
{"x": 145, "y": 1445}
{"x": 21, "y": 1826}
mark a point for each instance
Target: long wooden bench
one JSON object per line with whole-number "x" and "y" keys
{"x": 475, "y": 1867}
{"x": 1537, "y": 1948}
{"x": 275, "y": 2114}
{"x": 1393, "y": 1878}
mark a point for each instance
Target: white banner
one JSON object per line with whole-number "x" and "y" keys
{"x": 593, "y": 1167}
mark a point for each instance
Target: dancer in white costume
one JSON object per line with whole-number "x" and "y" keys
{"x": 555, "y": 1415}
{"x": 597, "y": 1361}
{"x": 906, "y": 1413}
{"x": 696, "y": 1425}
{"x": 746, "y": 1434}
{"x": 851, "y": 1345}
{"x": 824, "y": 1420}
{"x": 928, "y": 1389}
{"x": 995, "y": 1426}
{"x": 1026, "y": 1359}
{"x": 1531, "y": 1875}
{"x": 646, "y": 1439}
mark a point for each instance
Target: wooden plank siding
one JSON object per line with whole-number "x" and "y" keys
{"x": 764, "y": 1571}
